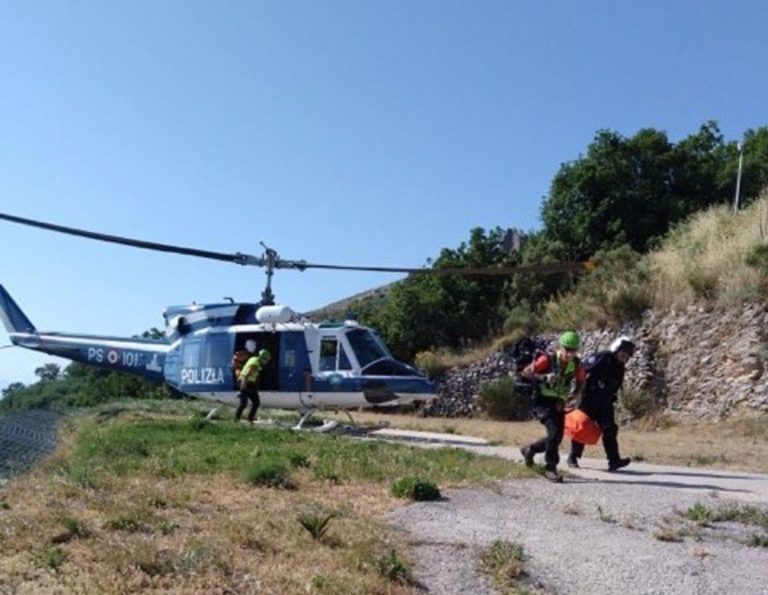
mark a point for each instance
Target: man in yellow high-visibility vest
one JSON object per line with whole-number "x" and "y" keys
{"x": 559, "y": 377}
{"x": 249, "y": 383}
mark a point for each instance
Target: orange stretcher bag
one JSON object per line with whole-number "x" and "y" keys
{"x": 580, "y": 427}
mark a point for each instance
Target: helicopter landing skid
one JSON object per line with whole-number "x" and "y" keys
{"x": 327, "y": 425}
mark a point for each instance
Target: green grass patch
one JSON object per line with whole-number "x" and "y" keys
{"x": 735, "y": 513}
{"x": 269, "y": 473}
{"x": 126, "y": 445}
{"x": 52, "y": 557}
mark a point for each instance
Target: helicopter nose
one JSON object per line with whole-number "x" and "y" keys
{"x": 376, "y": 392}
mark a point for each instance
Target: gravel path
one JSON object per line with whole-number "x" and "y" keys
{"x": 598, "y": 532}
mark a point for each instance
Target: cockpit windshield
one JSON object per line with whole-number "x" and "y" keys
{"x": 367, "y": 345}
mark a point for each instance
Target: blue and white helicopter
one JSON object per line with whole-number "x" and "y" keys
{"x": 314, "y": 366}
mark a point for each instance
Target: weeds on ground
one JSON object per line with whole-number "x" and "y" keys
{"x": 669, "y": 534}
{"x": 747, "y": 515}
{"x": 316, "y": 521}
{"x": 505, "y": 562}
{"x": 604, "y": 516}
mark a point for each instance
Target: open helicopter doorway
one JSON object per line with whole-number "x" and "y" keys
{"x": 269, "y": 377}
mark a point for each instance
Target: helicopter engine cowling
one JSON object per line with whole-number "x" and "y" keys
{"x": 274, "y": 314}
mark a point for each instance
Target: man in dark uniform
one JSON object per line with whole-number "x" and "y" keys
{"x": 605, "y": 376}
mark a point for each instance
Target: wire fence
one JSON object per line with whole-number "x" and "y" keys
{"x": 25, "y": 437}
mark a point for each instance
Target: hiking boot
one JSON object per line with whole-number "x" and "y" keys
{"x": 573, "y": 462}
{"x": 527, "y": 455}
{"x": 553, "y": 475}
{"x": 618, "y": 464}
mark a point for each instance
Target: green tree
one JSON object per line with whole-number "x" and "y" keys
{"x": 631, "y": 190}
{"x": 433, "y": 310}
{"x": 754, "y": 178}
{"x": 12, "y": 389}
{"x": 48, "y": 372}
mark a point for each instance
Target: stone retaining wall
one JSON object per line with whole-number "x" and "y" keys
{"x": 698, "y": 363}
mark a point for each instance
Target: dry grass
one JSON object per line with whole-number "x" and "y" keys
{"x": 193, "y": 535}
{"x": 104, "y": 516}
{"x": 737, "y": 444}
{"x": 705, "y": 258}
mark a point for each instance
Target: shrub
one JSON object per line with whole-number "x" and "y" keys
{"x": 430, "y": 363}
{"x": 416, "y": 489}
{"x": 76, "y": 527}
{"x": 503, "y": 399}
{"x": 521, "y": 320}
{"x": 758, "y": 257}
{"x": 637, "y": 403}
{"x": 269, "y": 473}
{"x": 629, "y": 303}
{"x": 392, "y": 567}
{"x": 617, "y": 290}
{"x": 757, "y": 540}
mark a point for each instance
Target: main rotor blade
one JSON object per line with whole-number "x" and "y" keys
{"x": 491, "y": 271}
{"x": 237, "y": 258}
{"x": 273, "y": 261}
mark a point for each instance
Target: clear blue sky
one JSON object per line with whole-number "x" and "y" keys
{"x": 351, "y": 132}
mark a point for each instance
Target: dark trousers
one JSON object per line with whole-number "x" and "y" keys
{"x": 604, "y": 418}
{"x": 245, "y": 395}
{"x": 550, "y": 413}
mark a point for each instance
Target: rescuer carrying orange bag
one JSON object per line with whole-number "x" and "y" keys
{"x": 580, "y": 427}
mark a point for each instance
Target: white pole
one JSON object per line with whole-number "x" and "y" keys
{"x": 740, "y": 146}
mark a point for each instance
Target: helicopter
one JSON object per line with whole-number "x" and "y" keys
{"x": 314, "y": 365}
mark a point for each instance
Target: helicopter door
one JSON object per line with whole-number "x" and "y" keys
{"x": 269, "y": 377}
{"x": 294, "y": 363}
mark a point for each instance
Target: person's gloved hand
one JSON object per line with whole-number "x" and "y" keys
{"x": 550, "y": 378}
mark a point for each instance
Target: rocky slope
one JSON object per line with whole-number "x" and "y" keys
{"x": 699, "y": 363}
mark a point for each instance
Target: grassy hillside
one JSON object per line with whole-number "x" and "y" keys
{"x": 717, "y": 255}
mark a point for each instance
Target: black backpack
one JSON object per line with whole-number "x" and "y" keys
{"x": 525, "y": 350}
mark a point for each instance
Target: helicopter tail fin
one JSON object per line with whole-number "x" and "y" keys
{"x": 13, "y": 318}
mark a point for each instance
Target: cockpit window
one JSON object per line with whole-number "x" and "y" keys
{"x": 367, "y": 346}
{"x": 327, "y": 354}
{"x": 344, "y": 363}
